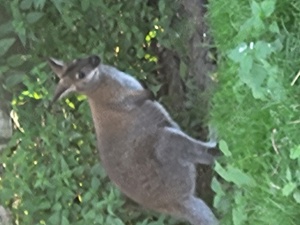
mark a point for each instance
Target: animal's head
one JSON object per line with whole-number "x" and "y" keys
{"x": 79, "y": 75}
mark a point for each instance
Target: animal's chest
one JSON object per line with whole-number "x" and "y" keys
{"x": 122, "y": 138}
{"x": 117, "y": 136}
{"x": 125, "y": 146}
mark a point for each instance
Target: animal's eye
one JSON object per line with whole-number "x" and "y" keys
{"x": 80, "y": 75}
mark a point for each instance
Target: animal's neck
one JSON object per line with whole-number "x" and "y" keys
{"x": 106, "y": 119}
{"x": 111, "y": 101}
{"x": 112, "y": 85}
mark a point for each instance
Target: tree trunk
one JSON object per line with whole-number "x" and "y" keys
{"x": 199, "y": 66}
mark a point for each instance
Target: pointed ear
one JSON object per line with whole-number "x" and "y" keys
{"x": 57, "y": 66}
{"x": 94, "y": 60}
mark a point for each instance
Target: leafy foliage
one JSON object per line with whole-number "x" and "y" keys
{"x": 50, "y": 173}
{"x": 256, "y": 110}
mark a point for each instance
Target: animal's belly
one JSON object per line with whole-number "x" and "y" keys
{"x": 144, "y": 179}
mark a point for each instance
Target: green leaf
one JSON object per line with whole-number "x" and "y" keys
{"x": 224, "y": 148}
{"x": 95, "y": 183}
{"x": 277, "y": 45}
{"x": 258, "y": 25}
{"x": 245, "y": 67}
{"x": 44, "y": 205}
{"x": 295, "y": 152}
{"x": 155, "y": 88}
{"x": 5, "y": 44}
{"x": 80, "y": 97}
{"x": 21, "y": 31}
{"x": 64, "y": 221}
{"x": 85, "y": 5}
{"x": 97, "y": 170}
{"x": 110, "y": 220}
{"x": 289, "y": 188}
{"x": 55, "y": 218}
{"x": 64, "y": 165}
{"x": 255, "y": 9}
{"x": 58, "y": 5}
{"x": 140, "y": 53}
{"x": 237, "y": 54}
{"x": 183, "y": 70}
{"x": 26, "y": 4}
{"x": 57, "y": 206}
{"x": 87, "y": 196}
{"x": 39, "y": 4}
{"x": 263, "y": 49}
{"x": 235, "y": 175}
{"x": 161, "y": 5}
{"x": 14, "y": 79}
{"x": 274, "y": 28}
{"x": 69, "y": 103}
{"x": 15, "y": 60}
{"x": 288, "y": 174}
{"x": 90, "y": 215}
{"x": 255, "y": 81}
{"x": 296, "y": 196}
{"x": 268, "y": 7}
{"x": 6, "y": 28}
{"x": 33, "y": 17}
{"x": 217, "y": 187}
{"x": 239, "y": 216}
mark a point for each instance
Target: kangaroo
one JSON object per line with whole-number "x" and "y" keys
{"x": 144, "y": 152}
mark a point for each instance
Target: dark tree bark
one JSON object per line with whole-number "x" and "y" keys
{"x": 199, "y": 66}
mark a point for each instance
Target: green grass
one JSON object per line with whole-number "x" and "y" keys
{"x": 256, "y": 111}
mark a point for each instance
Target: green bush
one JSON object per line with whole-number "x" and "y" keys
{"x": 51, "y": 174}
{"x": 256, "y": 111}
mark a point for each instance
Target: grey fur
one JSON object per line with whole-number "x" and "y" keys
{"x": 144, "y": 152}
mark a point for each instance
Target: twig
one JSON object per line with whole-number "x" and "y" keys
{"x": 294, "y": 122}
{"x": 273, "y": 141}
{"x": 295, "y": 78}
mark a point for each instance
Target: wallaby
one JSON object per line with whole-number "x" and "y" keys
{"x": 144, "y": 152}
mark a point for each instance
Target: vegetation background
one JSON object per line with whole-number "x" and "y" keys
{"x": 49, "y": 173}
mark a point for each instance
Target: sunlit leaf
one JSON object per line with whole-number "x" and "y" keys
{"x": 262, "y": 49}
{"x": 237, "y": 54}
{"x": 296, "y": 196}
{"x": 224, "y": 148}
{"x": 288, "y": 188}
{"x": 274, "y": 27}
{"x": 268, "y": 7}
{"x": 235, "y": 175}
{"x": 255, "y": 8}
{"x": 295, "y": 152}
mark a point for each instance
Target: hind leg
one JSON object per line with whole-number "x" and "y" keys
{"x": 174, "y": 143}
